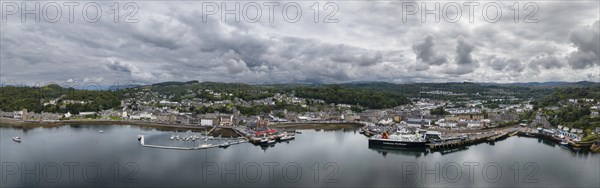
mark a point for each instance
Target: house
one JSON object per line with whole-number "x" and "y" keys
{"x": 446, "y": 123}
{"x": 226, "y": 120}
{"x": 470, "y": 116}
{"x": 594, "y": 114}
{"x": 474, "y": 124}
{"x": 84, "y": 114}
{"x": 206, "y": 122}
{"x": 414, "y": 122}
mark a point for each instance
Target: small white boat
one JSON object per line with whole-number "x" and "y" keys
{"x": 271, "y": 141}
{"x": 177, "y": 137}
{"x": 224, "y": 145}
{"x": 101, "y": 131}
{"x": 287, "y": 137}
{"x": 564, "y": 142}
{"x": 172, "y": 137}
{"x": 263, "y": 141}
{"x": 16, "y": 139}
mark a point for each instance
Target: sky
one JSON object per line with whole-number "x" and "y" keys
{"x": 325, "y": 42}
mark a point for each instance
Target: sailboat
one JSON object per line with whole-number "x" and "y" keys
{"x": 205, "y": 145}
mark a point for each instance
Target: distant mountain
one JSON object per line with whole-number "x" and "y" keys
{"x": 176, "y": 83}
{"x": 555, "y": 84}
{"x": 114, "y": 88}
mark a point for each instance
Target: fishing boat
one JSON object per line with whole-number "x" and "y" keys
{"x": 16, "y": 139}
{"x": 271, "y": 141}
{"x": 398, "y": 140}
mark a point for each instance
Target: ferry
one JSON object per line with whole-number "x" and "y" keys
{"x": 398, "y": 140}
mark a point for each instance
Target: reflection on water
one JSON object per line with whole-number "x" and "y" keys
{"x": 316, "y": 158}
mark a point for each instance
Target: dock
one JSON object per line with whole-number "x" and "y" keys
{"x": 476, "y": 139}
{"x": 202, "y": 146}
{"x": 498, "y": 136}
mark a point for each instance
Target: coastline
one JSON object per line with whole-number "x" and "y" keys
{"x": 317, "y": 125}
{"x": 5, "y": 122}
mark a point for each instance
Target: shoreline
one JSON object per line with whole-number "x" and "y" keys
{"x": 4, "y": 122}
{"x": 317, "y": 125}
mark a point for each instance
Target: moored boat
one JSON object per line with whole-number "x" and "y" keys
{"x": 224, "y": 145}
{"x": 287, "y": 137}
{"x": 564, "y": 142}
{"x": 263, "y": 141}
{"x": 16, "y": 139}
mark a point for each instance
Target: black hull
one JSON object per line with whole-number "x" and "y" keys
{"x": 396, "y": 144}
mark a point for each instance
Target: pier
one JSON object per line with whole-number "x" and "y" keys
{"x": 498, "y": 136}
{"x": 476, "y": 139}
{"x": 202, "y": 146}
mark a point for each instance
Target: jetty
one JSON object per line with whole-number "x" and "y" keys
{"x": 498, "y": 136}
{"x": 475, "y": 139}
{"x": 202, "y": 146}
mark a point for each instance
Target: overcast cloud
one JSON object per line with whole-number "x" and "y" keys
{"x": 370, "y": 42}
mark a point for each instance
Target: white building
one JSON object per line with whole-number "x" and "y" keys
{"x": 206, "y": 122}
{"x": 474, "y": 124}
{"x": 444, "y": 123}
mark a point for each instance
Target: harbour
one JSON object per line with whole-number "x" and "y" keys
{"x": 346, "y": 148}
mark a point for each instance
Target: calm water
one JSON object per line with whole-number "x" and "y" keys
{"x": 76, "y": 156}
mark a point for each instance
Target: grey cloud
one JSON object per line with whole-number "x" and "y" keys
{"x": 172, "y": 43}
{"x": 464, "y": 62}
{"x": 546, "y": 62}
{"x": 427, "y": 53}
{"x": 503, "y": 64}
{"x": 362, "y": 57}
{"x": 118, "y": 66}
{"x": 463, "y": 52}
{"x": 587, "y": 41}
